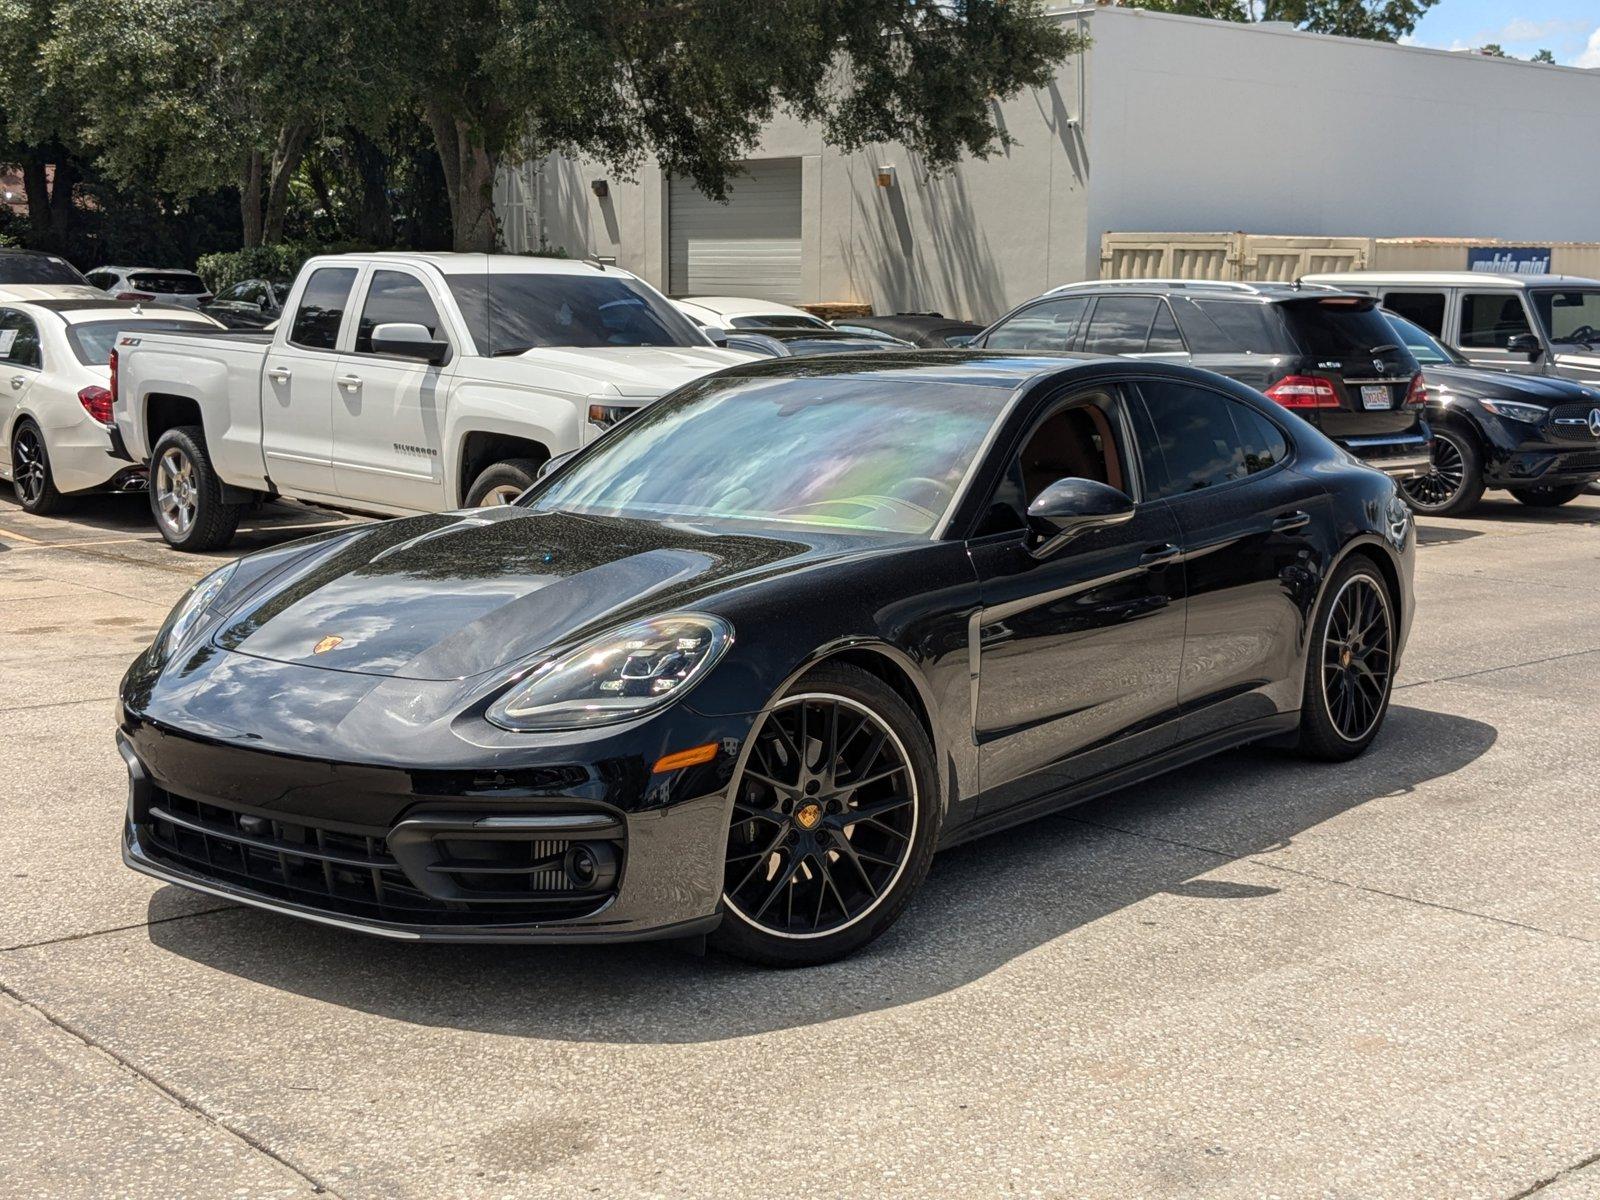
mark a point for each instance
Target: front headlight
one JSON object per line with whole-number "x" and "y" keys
{"x": 617, "y": 676}
{"x": 192, "y": 608}
{"x": 1531, "y": 413}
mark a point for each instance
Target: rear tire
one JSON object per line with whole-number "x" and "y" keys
{"x": 503, "y": 482}
{"x": 1548, "y": 497}
{"x": 186, "y": 493}
{"x": 1455, "y": 484}
{"x": 835, "y": 819}
{"x": 31, "y": 477}
{"x": 1350, "y": 664}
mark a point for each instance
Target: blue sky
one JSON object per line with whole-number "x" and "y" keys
{"x": 1569, "y": 28}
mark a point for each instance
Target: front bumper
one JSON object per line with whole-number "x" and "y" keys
{"x": 430, "y": 858}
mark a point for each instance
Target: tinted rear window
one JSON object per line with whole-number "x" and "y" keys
{"x": 1338, "y": 329}
{"x": 168, "y": 285}
{"x": 37, "y": 268}
{"x": 1231, "y": 327}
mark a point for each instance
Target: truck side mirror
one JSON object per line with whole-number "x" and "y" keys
{"x": 553, "y": 464}
{"x": 409, "y": 340}
{"x": 1526, "y": 343}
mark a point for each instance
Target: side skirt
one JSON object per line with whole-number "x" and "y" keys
{"x": 1278, "y": 726}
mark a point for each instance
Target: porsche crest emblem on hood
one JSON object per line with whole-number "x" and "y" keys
{"x": 326, "y": 644}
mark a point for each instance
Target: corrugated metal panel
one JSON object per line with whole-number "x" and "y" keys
{"x": 747, "y": 247}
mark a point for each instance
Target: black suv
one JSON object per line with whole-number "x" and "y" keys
{"x": 1327, "y": 355}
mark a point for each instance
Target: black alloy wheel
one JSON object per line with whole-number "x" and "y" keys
{"x": 1455, "y": 483}
{"x": 30, "y": 472}
{"x": 1350, "y": 672}
{"x": 831, "y": 827}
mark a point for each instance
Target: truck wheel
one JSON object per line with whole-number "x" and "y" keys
{"x": 30, "y": 472}
{"x": 186, "y": 495}
{"x": 503, "y": 482}
{"x": 1548, "y": 497}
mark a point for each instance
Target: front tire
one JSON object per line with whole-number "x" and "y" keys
{"x": 1350, "y": 664}
{"x": 31, "y": 477}
{"x": 1455, "y": 484}
{"x": 835, "y": 819}
{"x": 186, "y": 493}
{"x": 1548, "y": 497}
{"x": 502, "y": 482}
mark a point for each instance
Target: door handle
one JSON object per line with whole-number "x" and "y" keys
{"x": 279, "y": 374}
{"x": 17, "y": 381}
{"x": 1158, "y": 556}
{"x": 349, "y": 382}
{"x": 1291, "y": 521}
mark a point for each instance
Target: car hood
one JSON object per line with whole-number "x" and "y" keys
{"x": 1532, "y": 389}
{"x": 635, "y": 370}
{"x": 454, "y": 595}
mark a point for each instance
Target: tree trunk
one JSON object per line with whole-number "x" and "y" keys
{"x": 375, "y": 221}
{"x": 36, "y": 183}
{"x": 469, "y": 170}
{"x": 62, "y": 209}
{"x": 250, "y": 198}
{"x": 286, "y": 158}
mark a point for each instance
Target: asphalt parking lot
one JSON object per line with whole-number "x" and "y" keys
{"x": 1256, "y": 978}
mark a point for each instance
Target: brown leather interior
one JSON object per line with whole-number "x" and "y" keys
{"x": 1076, "y": 442}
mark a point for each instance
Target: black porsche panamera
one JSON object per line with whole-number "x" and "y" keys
{"x": 743, "y": 664}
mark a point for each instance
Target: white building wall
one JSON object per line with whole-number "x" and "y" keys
{"x": 1176, "y": 124}
{"x": 1199, "y": 125}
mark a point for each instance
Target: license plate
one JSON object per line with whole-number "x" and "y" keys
{"x": 1374, "y": 395}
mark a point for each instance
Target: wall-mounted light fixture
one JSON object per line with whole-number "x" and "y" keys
{"x": 600, "y": 188}
{"x": 886, "y": 178}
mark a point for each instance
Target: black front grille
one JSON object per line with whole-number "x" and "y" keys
{"x": 352, "y": 872}
{"x": 1570, "y": 423}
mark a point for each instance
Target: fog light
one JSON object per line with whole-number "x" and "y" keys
{"x": 590, "y": 866}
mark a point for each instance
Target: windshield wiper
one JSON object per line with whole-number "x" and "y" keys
{"x": 508, "y": 352}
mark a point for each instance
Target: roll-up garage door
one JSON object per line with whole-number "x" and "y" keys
{"x": 747, "y": 247}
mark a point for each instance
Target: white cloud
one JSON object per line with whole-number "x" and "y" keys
{"x": 1591, "y": 54}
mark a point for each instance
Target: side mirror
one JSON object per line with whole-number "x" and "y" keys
{"x": 718, "y": 335}
{"x": 1526, "y": 343}
{"x": 1072, "y": 506}
{"x": 409, "y": 341}
{"x": 960, "y": 339}
{"x": 551, "y": 464}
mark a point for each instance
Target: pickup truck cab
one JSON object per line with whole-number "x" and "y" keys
{"x": 397, "y": 384}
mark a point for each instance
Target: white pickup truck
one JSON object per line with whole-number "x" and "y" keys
{"x": 395, "y": 384}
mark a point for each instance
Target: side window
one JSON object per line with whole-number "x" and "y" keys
{"x": 19, "y": 340}
{"x": 1076, "y": 439}
{"x": 1490, "y": 319}
{"x": 255, "y": 292}
{"x": 1164, "y": 335}
{"x": 1048, "y": 325}
{"x": 1263, "y": 442}
{"x": 394, "y": 296}
{"x": 102, "y": 279}
{"x": 1121, "y": 324}
{"x": 1199, "y": 443}
{"x": 322, "y": 305}
{"x": 1231, "y": 327}
{"x": 1420, "y": 308}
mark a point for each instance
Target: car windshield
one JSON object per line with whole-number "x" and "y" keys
{"x": 870, "y": 455}
{"x": 508, "y": 314}
{"x": 1424, "y": 347}
{"x": 1569, "y": 316}
{"x": 92, "y": 340}
{"x": 778, "y": 321}
{"x": 38, "y": 268}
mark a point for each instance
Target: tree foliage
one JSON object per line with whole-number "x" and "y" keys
{"x": 1375, "y": 20}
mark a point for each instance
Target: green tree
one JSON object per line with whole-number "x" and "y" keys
{"x": 1376, "y": 20}
{"x": 692, "y": 84}
{"x": 187, "y": 95}
{"x": 39, "y": 123}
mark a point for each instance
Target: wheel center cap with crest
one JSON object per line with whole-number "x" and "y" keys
{"x": 808, "y": 816}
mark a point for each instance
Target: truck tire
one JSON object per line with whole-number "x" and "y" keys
{"x": 30, "y": 473}
{"x": 503, "y": 482}
{"x": 186, "y": 493}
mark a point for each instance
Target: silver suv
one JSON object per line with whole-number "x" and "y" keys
{"x": 1535, "y": 324}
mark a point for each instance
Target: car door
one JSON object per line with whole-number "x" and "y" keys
{"x": 1250, "y": 527}
{"x": 388, "y": 412}
{"x": 1489, "y": 319}
{"x": 1077, "y": 649}
{"x": 297, "y": 387}
{"x": 19, "y": 367}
